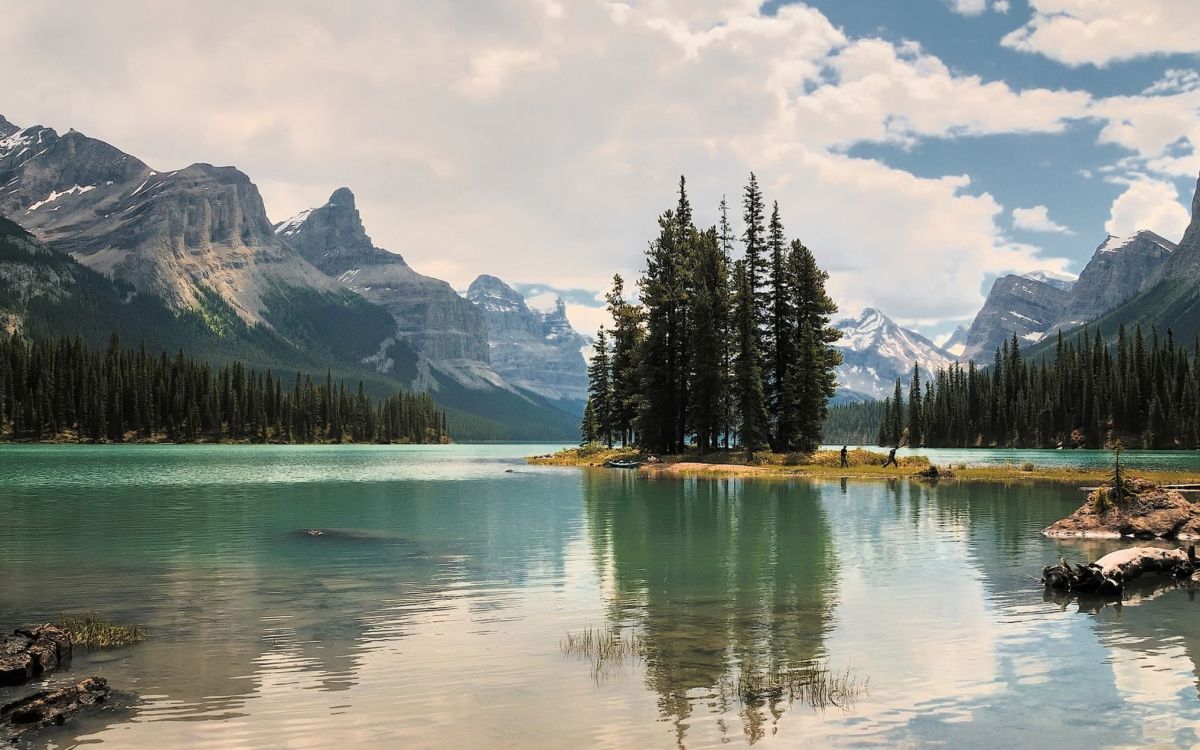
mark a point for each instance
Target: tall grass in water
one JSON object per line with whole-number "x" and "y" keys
{"x": 91, "y": 631}
{"x": 810, "y": 682}
{"x": 608, "y": 648}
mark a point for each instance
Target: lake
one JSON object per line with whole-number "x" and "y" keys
{"x": 431, "y": 612}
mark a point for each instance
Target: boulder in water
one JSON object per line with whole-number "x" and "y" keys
{"x": 30, "y": 652}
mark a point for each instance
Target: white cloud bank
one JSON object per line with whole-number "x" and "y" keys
{"x": 1100, "y": 32}
{"x": 538, "y": 140}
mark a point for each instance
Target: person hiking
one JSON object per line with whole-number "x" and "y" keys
{"x": 891, "y": 459}
{"x": 845, "y": 463}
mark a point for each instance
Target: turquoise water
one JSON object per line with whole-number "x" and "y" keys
{"x": 1091, "y": 459}
{"x": 431, "y": 611}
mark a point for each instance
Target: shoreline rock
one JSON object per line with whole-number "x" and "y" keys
{"x": 31, "y": 652}
{"x": 1144, "y": 511}
{"x": 47, "y": 707}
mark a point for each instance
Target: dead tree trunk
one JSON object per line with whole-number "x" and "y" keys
{"x": 1108, "y": 575}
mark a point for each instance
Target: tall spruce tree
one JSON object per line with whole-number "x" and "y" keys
{"x": 600, "y": 392}
{"x": 752, "y": 407}
{"x": 708, "y": 302}
{"x": 811, "y": 380}
{"x": 914, "y": 408}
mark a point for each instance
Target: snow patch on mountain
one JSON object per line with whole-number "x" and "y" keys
{"x": 876, "y": 351}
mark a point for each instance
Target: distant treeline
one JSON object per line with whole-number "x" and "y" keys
{"x": 853, "y": 424}
{"x": 63, "y": 389}
{"x": 1143, "y": 393}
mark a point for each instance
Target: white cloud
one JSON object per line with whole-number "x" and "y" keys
{"x": 1161, "y": 128}
{"x": 968, "y": 7}
{"x": 1148, "y": 204}
{"x": 977, "y": 7}
{"x": 1099, "y": 32}
{"x": 884, "y": 92}
{"x": 539, "y": 139}
{"x": 1037, "y": 219}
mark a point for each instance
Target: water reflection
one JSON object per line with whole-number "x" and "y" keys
{"x": 430, "y": 612}
{"x": 720, "y": 577}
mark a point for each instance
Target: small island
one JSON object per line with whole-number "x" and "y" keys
{"x": 826, "y": 464}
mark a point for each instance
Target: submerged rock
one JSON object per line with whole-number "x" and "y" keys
{"x": 31, "y": 652}
{"x": 1143, "y": 510}
{"x": 50, "y": 707}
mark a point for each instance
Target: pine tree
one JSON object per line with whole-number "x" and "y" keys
{"x": 600, "y": 396}
{"x": 914, "y": 408}
{"x": 754, "y": 426}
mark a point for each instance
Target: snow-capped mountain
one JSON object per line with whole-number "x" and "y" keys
{"x": 876, "y": 351}
{"x": 1058, "y": 280}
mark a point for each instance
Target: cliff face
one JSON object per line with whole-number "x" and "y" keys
{"x": 1016, "y": 304}
{"x": 537, "y": 351}
{"x": 184, "y": 235}
{"x": 430, "y": 316}
{"x": 1119, "y": 269}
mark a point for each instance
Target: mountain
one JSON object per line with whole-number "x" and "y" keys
{"x": 185, "y": 235}
{"x": 197, "y": 244}
{"x": 1016, "y": 304}
{"x": 956, "y": 342}
{"x": 876, "y": 351}
{"x": 1170, "y": 299}
{"x": 1057, "y": 280}
{"x": 1119, "y": 269}
{"x": 431, "y": 317}
{"x": 537, "y": 351}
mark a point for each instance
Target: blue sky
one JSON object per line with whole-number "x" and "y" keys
{"x": 1066, "y": 172}
{"x": 919, "y": 147}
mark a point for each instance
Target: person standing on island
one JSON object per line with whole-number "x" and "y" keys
{"x": 845, "y": 463}
{"x": 891, "y": 459}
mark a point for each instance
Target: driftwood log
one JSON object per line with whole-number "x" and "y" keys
{"x": 30, "y": 652}
{"x": 50, "y": 707}
{"x": 1108, "y": 575}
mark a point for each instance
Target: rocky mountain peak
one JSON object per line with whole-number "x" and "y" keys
{"x": 6, "y": 127}
{"x": 493, "y": 295}
{"x": 535, "y": 350}
{"x": 1118, "y": 270}
{"x": 876, "y": 350}
{"x": 332, "y": 236}
{"x": 342, "y": 198}
{"x": 1017, "y": 305}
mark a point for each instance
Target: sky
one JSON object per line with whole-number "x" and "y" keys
{"x": 919, "y": 148}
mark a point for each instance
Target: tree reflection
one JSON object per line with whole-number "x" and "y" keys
{"x": 724, "y": 578}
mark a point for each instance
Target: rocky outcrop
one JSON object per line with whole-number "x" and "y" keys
{"x": 1142, "y": 510}
{"x": 48, "y": 707}
{"x": 1119, "y": 269}
{"x": 875, "y": 351}
{"x": 534, "y": 350}
{"x": 1015, "y": 305}
{"x": 31, "y": 652}
{"x": 431, "y": 317}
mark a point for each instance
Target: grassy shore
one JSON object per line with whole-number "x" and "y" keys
{"x": 826, "y": 465}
